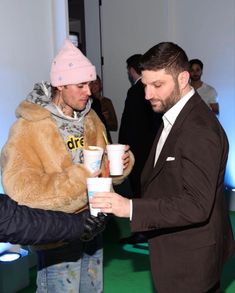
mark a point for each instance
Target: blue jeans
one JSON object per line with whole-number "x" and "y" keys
{"x": 82, "y": 276}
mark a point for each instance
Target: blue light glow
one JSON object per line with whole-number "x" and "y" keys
{"x": 227, "y": 119}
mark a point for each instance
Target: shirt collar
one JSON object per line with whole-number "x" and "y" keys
{"x": 171, "y": 115}
{"x": 135, "y": 82}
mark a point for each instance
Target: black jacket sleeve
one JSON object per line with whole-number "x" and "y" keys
{"x": 24, "y": 225}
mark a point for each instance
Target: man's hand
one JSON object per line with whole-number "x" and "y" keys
{"x": 126, "y": 157}
{"x": 110, "y": 202}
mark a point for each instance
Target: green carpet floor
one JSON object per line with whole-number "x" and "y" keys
{"x": 126, "y": 267}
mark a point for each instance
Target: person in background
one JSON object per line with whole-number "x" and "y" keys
{"x": 96, "y": 106}
{"x": 106, "y": 105}
{"x": 42, "y": 167}
{"x": 206, "y": 91}
{"x": 132, "y": 66}
{"x": 138, "y": 128}
{"x": 182, "y": 208}
{"x": 23, "y": 225}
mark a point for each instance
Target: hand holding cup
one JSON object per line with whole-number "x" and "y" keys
{"x": 115, "y": 154}
{"x": 126, "y": 157}
{"x": 97, "y": 184}
{"x": 119, "y": 158}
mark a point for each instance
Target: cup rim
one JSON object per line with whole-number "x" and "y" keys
{"x": 93, "y": 147}
{"x": 92, "y": 179}
{"x": 115, "y": 147}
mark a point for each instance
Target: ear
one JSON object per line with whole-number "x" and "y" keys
{"x": 131, "y": 70}
{"x": 60, "y": 88}
{"x": 183, "y": 79}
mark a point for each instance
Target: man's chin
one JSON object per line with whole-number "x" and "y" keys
{"x": 157, "y": 109}
{"x": 81, "y": 107}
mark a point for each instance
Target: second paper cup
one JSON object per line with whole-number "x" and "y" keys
{"x": 97, "y": 184}
{"x": 115, "y": 153}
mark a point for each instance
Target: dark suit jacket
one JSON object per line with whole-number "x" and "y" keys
{"x": 138, "y": 128}
{"x": 183, "y": 203}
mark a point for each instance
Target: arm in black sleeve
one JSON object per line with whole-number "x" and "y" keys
{"x": 24, "y": 225}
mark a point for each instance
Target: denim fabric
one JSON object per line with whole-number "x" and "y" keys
{"x": 82, "y": 276}
{"x": 91, "y": 279}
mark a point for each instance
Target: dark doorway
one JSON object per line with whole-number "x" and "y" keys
{"x": 77, "y": 24}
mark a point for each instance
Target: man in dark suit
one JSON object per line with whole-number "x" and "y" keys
{"x": 182, "y": 205}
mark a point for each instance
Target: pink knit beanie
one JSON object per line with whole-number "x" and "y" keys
{"x": 70, "y": 66}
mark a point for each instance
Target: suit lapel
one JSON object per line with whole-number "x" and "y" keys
{"x": 150, "y": 171}
{"x": 149, "y": 165}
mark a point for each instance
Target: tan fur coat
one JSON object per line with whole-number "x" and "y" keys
{"x": 37, "y": 169}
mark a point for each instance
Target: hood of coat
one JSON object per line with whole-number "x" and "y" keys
{"x": 38, "y": 105}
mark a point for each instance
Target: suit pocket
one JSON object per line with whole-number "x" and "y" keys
{"x": 170, "y": 164}
{"x": 190, "y": 239}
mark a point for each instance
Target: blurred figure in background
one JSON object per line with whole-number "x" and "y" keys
{"x": 207, "y": 92}
{"x": 96, "y": 106}
{"x": 107, "y": 107}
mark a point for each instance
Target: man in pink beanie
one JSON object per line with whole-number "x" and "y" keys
{"x": 42, "y": 167}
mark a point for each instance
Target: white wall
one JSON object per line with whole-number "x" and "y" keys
{"x": 29, "y": 39}
{"x": 128, "y": 27}
{"x": 93, "y": 38}
{"x": 204, "y": 28}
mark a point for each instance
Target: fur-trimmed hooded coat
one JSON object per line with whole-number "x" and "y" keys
{"x": 37, "y": 169}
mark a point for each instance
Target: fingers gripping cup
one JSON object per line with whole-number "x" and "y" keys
{"x": 92, "y": 158}
{"x": 115, "y": 153}
{"x": 97, "y": 184}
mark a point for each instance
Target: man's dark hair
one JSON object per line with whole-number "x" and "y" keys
{"x": 134, "y": 61}
{"x": 167, "y": 56}
{"x": 196, "y": 61}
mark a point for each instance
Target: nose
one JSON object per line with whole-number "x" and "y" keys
{"x": 148, "y": 93}
{"x": 88, "y": 90}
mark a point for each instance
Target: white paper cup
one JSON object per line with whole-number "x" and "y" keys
{"x": 97, "y": 184}
{"x": 115, "y": 153}
{"x": 92, "y": 158}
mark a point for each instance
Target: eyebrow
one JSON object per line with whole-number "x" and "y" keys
{"x": 153, "y": 82}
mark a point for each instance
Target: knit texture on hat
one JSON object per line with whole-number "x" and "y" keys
{"x": 70, "y": 66}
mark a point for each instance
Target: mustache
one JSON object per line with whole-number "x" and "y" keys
{"x": 155, "y": 100}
